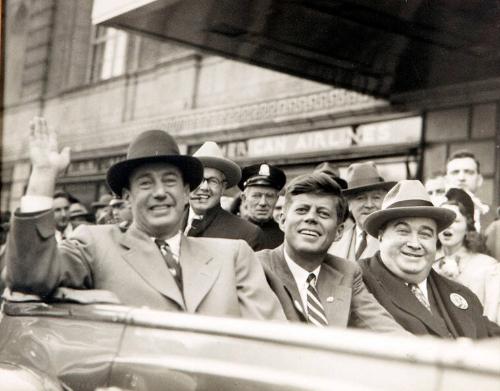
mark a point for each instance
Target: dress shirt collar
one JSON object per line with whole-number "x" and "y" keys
{"x": 300, "y": 276}
{"x": 174, "y": 243}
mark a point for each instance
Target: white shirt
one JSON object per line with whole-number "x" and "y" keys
{"x": 359, "y": 236}
{"x": 300, "y": 276}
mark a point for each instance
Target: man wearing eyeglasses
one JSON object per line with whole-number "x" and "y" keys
{"x": 206, "y": 218}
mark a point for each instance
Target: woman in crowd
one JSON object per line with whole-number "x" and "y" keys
{"x": 462, "y": 257}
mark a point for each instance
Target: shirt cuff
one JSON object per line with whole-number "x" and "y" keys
{"x": 30, "y": 204}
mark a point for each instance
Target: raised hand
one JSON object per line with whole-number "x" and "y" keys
{"x": 43, "y": 147}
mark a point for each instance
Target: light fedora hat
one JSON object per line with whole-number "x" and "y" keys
{"x": 364, "y": 177}
{"x": 408, "y": 198}
{"x": 154, "y": 146}
{"x": 211, "y": 156}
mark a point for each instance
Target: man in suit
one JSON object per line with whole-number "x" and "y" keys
{"x": 61, "y": 204}
{"x": 401, "y": 275}
{"x": 312, "y": 285}
{"x": 149, "y": 264}
{"x": 261, "y": 184}
{"x": 365, "y": 191}
{"x": 206, "y": 218}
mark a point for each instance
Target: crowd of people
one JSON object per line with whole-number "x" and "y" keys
{"x": 358, "y": 251}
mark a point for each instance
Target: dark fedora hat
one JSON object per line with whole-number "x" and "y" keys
{"x": 408, "y": 199}
{"x": 149, "y": 147}
{"x": 262, "y": 175}
{"x": 364, "y": 177}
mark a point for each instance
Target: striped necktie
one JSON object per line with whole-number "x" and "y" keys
{"x": 420, "y": 296}
{"x": 315, "y": 311}
{"x": 173, "y": 266}
{"x": 361, "y": 246}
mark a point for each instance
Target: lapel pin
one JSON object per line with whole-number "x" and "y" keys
{"x": 329, "y": 299}
{"x": 459, "y": 301}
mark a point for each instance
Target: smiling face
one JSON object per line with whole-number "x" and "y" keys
{"x": 157, "y": 196}
{"x": 208, "y": 194}
{"x": 310, "y": 225}
{"x": 408, "y": 247}
{"x": 260, "y": 201}
{"x": 363, "y": 204}
{"x": 452, "y": 238}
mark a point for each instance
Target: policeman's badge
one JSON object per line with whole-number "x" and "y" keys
{"x": 459, "y": 301}
{"x": 264, "y": 170}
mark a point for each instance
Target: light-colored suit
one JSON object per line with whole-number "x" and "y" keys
{"x": 345, "y": 247}
{"x": 220, "y": 277}
{"x": 340, "y": 286}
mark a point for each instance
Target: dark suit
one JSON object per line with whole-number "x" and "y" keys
{"x": 447, "y": 320}
{"x": 343, "y": 294}
{"x": 218, "y": 223}
{"x": 220, "y": 277}
{"x": 273, "y": 235}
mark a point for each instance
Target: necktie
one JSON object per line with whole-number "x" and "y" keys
{"x": 173, "y": 266}
{"x": 315, "y": 311}
{"x": 420, "y": 296}
{"x": 361, "y": 246}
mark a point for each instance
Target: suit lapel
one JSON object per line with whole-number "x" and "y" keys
{"x": 336, "y": 299}
{"x": 281, "y": 269}
{"x": 199, "y": 272}
{"x": 460, "y": 317}
{"x": 141, "y": 253}
{"x": 402, "y": 297}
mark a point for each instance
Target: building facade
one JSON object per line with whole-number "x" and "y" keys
{"x": 99, "y": 87}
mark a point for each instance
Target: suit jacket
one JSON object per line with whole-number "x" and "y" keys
{"x": 220, "y": 277}
{"x": 397, "y": 298}
{"x": 345, "y": 247}
{"x": 343, "y": 294}
{"x": 273, "y": 235}
{"x": 219, "y": 223}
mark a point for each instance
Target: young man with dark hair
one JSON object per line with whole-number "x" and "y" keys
{"x": 312, "y": 285}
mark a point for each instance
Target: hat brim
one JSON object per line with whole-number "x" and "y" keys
{"x": 230, "y": 169}
{"x": 375, "y": 186}
{"x": 190, "y": 167}
{"x": 443, "y": 217}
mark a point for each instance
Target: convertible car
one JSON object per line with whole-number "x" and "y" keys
{"x": 85, "y": 340}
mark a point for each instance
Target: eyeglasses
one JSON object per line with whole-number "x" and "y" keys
{"x": 212, "y": 181}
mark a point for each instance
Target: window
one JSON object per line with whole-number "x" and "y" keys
{"x": 109, "y": 49}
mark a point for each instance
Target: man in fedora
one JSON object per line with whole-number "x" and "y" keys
{"x": 313, "y": 286}
{"x": 206, "y": 218}
{"x": 365, "y": 191}
{"x": 149, "y": 264}
{"x": 401, "y": 277}
{"x": 261, "y": 184}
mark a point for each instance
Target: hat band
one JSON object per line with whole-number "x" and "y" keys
{"x": 407, "y": 203}
{"x": 365, "y": 182}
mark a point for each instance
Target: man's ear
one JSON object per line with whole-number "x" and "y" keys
{"x": 281, "y": 219}
{"x": 479, "y": 181}
{"x": 339, "y": 233}
{"x": 126, "y": 194}
{"x": 187, "y": 191}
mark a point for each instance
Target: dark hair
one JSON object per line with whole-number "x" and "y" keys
{"x": 317, "y": 183}
{"x": 473, "y": 240}
{"x": 464, "y": 153}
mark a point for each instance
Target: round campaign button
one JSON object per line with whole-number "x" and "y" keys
{"x": 459, "y": 301}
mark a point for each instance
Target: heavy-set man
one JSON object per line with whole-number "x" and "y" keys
{"x": 401, "y": 276}
{"x": 149, "y": 264}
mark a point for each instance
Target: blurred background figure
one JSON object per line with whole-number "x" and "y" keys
{"x": 463, "y": 171}
{"x": 435, "y": 186}
{"x": 102, "y": 210}
{"x": 329, "y": 169}
{"x": 492, "y": 234}
{"x": 61, "y": 203}
{"x": 462, "y": 256}
{"x": 4, "y": 231}
{"x": 278, "y": 208}
{"x": 121, "y": 211}
{"x": 78, "y": 214}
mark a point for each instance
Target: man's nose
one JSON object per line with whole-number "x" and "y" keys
{"x": 203, "y": 185}
{"x": 311, "y": 217}
{"x": 159, "y": 190}
{"x": 413, "y": 242}
{"x": 262, "y": 200}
